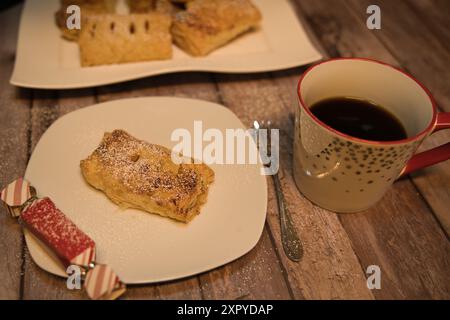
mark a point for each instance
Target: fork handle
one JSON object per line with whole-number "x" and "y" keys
{"x": 289, "y": 238}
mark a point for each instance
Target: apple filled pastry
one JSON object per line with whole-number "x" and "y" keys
{"x": 147, "y": 33}
{"x": 137, "y": 174}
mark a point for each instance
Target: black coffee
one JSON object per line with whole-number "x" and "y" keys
{"x": 359, "y": 118}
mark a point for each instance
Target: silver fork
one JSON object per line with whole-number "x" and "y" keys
{"x": 292, "y": 245}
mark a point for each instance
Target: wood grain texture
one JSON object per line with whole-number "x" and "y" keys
{"x": 182, "y": 289}
{"x": 47, "y": 107}
{"x": 14, "y": 121}
{"x": 409, "y": 40}
{"x": 434, "y": 182}
{"x": 427, "y": 59}
{"x": 184, "y": 85}
{"x": 435, "y": 14}
{"x": 329, "y": 268}
{"x": 257, "y": 275}
{"x": 400, "y": 234}
{"x": 343, "y": 33}
{"x": 246, "y": 277}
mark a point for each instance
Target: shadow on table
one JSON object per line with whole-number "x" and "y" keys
{"x": 5, "y": 4}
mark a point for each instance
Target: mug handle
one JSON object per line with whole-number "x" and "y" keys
{"x": 433, "y": 156}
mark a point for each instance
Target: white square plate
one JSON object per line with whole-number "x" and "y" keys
{"x": 143, "y": 247}
{"x": 45, "y": 60}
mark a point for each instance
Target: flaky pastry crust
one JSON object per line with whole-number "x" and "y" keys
{"x": 137, "y": 174}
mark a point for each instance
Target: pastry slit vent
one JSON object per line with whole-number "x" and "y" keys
{"x": 135, "y": 157}
{"x": 92, "y": 31}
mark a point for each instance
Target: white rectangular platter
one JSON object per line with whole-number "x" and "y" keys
{"x": 45, "y": 60}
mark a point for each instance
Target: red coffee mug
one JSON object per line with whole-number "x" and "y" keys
{"x": 347, "y": 174}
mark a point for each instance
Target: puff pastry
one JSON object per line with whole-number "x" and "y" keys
{"x": 87, "y": 7}
{"x": 113, "y": 38}
{"x": 145, "y": 6}
{"x": 137, "y": 174}
{"x": 209, "y": 24}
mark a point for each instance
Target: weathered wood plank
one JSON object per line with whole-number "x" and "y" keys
{"x": 257, "y": 275}
{"x": 344, "y": 33}
{"x": 329, "y": 268}
{"x": 428, "y": 60}
{"x": 414, "y": 257}
{"x": 434, "y": 182}
{"x": 408, "y": 39}
{"x": 435, "y": 14}
{"x": 38, "y": 284}
{"x": 182, "y": 289}
{"x": 399, "y": 230}
{"x": 184, "y": 85}
{"x": 341, "y": 32}
{"x": 47, "y": 107}
{"x": 185, "y": 289}
{"x": 14, "y": 120}
{"x": 246, "y": 277}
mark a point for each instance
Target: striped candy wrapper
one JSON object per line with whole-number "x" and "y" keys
{"x": 15, "y": 195}
{"x": 84, "y": 258}
{"x": 70, "y": 244}
{"x": 102, "y": 283}
{"x": 61, "y": 235}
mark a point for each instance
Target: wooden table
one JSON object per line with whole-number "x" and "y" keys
{"x": 406, "y": 234}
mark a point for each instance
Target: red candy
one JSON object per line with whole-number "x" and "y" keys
{"x": 62, "y": 236}
{"x": 59, "y": 233}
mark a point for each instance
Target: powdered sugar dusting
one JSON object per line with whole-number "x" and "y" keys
{"x": 212, "y": 17}
{"x": 144, "y": 168}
